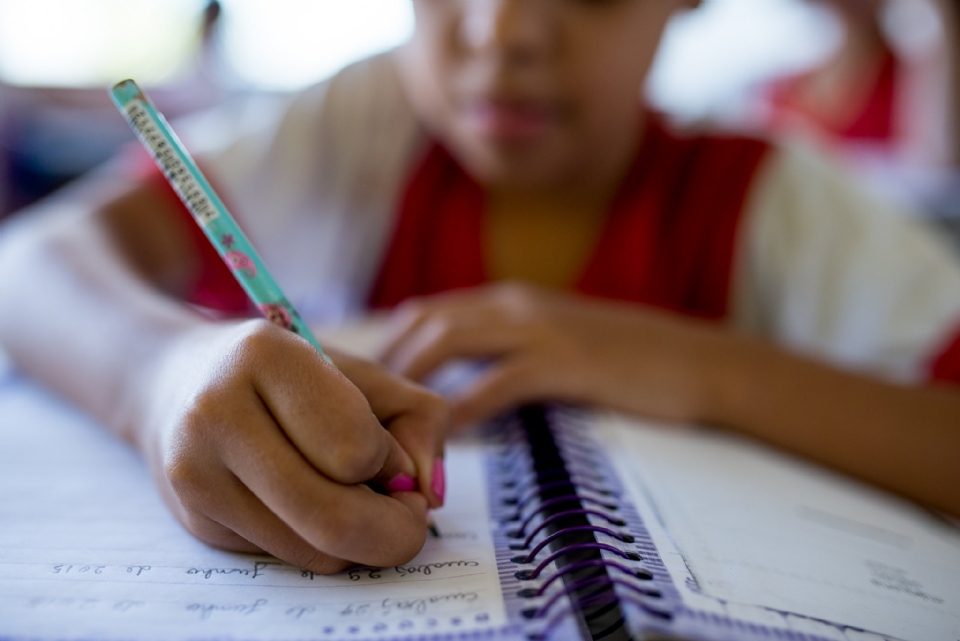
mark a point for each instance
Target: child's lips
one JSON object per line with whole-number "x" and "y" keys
{"x": 511, "y": 122}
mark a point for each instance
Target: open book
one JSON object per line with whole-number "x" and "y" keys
{"x": 559, "y": 524}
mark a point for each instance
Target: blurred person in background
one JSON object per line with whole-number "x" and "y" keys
{"x": 498, "y": 186}
{"x": 884, "y": 101}
{"x": 944, "y": 193}
{"x": 852, "y": 96}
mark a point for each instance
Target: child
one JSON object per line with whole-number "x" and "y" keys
{"x": 504, "y": 142}
{"x": 851, "y": 97}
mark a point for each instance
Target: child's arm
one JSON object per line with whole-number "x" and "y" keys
{"x": 638, "y": 360}
{"x": 255, "y": 441}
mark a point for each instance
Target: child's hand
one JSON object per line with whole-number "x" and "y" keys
{"x": 552, "y": 346}
{"x": 260, "y": 445}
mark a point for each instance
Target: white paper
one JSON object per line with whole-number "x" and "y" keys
{"x": 87, "y": 550}
{"x": 764, "y": 537}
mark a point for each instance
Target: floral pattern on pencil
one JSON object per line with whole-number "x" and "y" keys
{"x": 277, "y": 314}
{"x": 240, "y": 262}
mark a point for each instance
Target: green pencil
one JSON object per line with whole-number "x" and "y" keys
{"x": 208, "y": 209}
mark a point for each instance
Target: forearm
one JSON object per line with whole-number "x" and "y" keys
{"x": 905, "y": 439}
{"x": 79, "y": 318}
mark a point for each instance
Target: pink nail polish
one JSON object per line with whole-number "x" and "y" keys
{"x": 439, "y": 479}
{"x": 402, "y": 483}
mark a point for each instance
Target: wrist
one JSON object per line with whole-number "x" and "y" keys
{"x": 160, "y": 387}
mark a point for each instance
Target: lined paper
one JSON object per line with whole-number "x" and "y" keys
{"x": 87, "y": 550}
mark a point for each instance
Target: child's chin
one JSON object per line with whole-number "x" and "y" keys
{"x": 514, "y": 164}
{"x": 519, "y": 173}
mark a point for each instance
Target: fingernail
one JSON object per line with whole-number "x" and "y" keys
{"x": 439, "y": 479}
{"x": 402, "y": 483}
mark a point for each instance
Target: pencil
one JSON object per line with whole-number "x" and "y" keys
{"x": 208, "y": 209}
{"x": 210, "y": 213}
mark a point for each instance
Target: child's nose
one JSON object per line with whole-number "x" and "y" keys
{"x": 518, "y": 30}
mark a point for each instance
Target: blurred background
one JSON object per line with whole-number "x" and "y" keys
{"x": 875, "y": 81}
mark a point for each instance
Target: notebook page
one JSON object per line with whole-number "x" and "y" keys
{"x": 87, "y": 550}
{"x": 760, "y": 536}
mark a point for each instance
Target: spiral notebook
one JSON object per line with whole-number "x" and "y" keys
{"x": 560, "y": 524}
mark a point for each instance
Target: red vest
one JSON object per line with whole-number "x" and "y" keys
{"x": 668, "y": 240}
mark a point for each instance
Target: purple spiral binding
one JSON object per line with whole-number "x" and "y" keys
{"x": 531, "y": 494}
{"x": 566, "y": 498}
{"x": 612, "y": 520}
{"x": 606, "y": 598}
{"x": 514, "y": 458}
{"x": 580, "y": 528}
{"x": 560, "y": 471}
{"x": 630, "y": 556}
{"x": 556, "y": 497}
{"x": 603, "y": 580}
{"x": 578, "y": 454}
{"x": 546, "y": 501}
{"x": 605, "y": 563}
{"x": 581, "y": 477}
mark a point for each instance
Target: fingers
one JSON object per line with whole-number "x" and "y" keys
{"x": 350, "y": 522}
{"x": 323, "y": 414}
{"x": 513, "y": 325}
{"x": 467, "y": 308}
{"x": 441, "y": 340}
{"x": 417, "y": 418}
{"x": 407, "y": 318}
{"x": 240, "y": 522}
{"x": 426, "y": 339}
{"x": 508, "y": 384}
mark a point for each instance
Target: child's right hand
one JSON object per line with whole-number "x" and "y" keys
{"x": 258, "y": 444}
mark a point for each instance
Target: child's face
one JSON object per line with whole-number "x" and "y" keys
{"x": 533, "y": 93}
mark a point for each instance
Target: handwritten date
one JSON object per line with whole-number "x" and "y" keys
{"x": 90, "y": 569}
{"x": 425, "y": 569}
{"x": 257, "y": 570}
